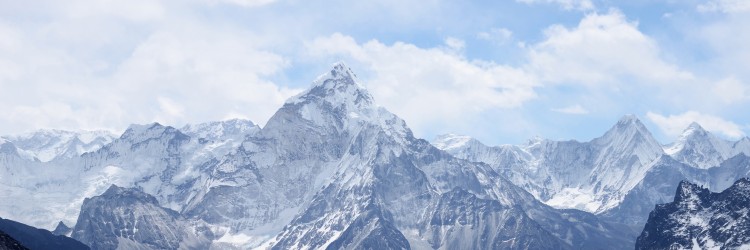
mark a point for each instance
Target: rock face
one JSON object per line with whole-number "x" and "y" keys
{"x": 34, "y": 238}
{"x": 127, "y": 218}
{"x": 698, "y": 218}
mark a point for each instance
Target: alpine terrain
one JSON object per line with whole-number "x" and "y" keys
{"x": 332, "y": 169}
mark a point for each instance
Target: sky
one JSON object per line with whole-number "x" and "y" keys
{"x": 500, "y": 71}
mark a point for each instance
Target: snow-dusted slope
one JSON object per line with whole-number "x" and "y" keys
{"x": 47, "y": 145}
{"x": 699, "y": 219}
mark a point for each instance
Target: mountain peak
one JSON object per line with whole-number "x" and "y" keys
{"x": 339, "y": 84}
{"x": 694, "y": 129}
{"x": 627, "y": 128}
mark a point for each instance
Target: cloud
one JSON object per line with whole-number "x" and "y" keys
{"x": 673, "y": 125}
{"x": 726, "y": 6}
{"x": 176, "y": 71}
{"x": 428, "y": 86}
{"x": 496, "y": 35}
{"x": 601, "y": 50}
{"x": 573, "y": 110}
{"x": 565, "y": 4}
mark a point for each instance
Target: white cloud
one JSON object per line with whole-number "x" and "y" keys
{"x": 175, "y": 71}
{"x": 496, "y": 35}
{"x": 673, "y": 125}
{"x": 726, "y": 6}
{"x": 565, "y": 4}
{"x": 602, "y": 49}
{"x": 428, "y": 86}
{"x": 573, "y": 110}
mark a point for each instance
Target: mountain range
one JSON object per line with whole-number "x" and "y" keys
{"x": 332, "y": 169}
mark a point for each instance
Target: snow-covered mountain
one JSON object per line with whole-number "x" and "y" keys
{"x": 333, "y": 169}
{"x": 592, "y": 176}
{"x": 700, "y": 219}
{"x": 389, "y": 188}
{"x": 47, "y": 145}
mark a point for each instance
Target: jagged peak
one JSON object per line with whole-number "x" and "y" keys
{"x": 338, "y": 85}
{"x": 628, "y": 127}
{"x": 689, "y": 192}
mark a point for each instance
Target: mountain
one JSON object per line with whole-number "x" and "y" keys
{"x": 698, "y": 218}
{"x": 47, "y": 145}
{"x": 592, "y": 176}
{"x": 37, "y": 239}
{"x": 390, "y": 189}
{"x": 126, "y": 218}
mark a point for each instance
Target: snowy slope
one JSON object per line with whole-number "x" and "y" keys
{"x": 700, "y": 219}
{"x": 47, "y": 145}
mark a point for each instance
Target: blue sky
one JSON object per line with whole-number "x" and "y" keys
{"x": 501, "y": 71}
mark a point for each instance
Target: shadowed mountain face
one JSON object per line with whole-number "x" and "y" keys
{"x": 698, "y": 218}
{"x": 35, "y": 238}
